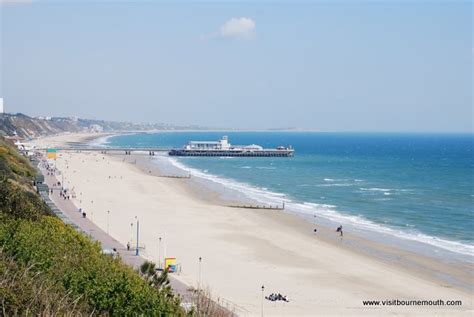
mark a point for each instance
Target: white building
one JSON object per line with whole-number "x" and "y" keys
{"x": 222, "y": 144}
{"x": 96, "y": 128}
{"x": 1, "y": 105}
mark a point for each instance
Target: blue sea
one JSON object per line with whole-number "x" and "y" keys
{"x": 416, "y": 188}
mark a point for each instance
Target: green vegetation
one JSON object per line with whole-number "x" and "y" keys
{"x": 47, "y": 268}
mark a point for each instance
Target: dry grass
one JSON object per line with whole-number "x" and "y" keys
{"x": 204, "y": 305}
{"x": 24, "y": 292}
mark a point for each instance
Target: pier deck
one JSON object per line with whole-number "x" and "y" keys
{"x": 106, "y": 150}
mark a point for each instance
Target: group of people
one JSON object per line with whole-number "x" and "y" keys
{"x": 51, "y": 171}
{"x": 276, "y": 297}
{"x": 338, "y": 229}
{"x": 64, "y": 193}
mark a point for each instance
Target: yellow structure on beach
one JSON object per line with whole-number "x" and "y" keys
{"x": 51, "y": 153}
{"x": 170, "y": 264}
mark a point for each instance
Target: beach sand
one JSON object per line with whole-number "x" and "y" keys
{"x": 243, "y": 249}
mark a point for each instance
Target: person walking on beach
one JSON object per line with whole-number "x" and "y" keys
{"x": 128, "y": 246}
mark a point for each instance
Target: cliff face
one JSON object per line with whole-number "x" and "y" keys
{"x": 28, "y": 127}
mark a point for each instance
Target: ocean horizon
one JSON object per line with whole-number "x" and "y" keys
{"x": 413, "y": 189}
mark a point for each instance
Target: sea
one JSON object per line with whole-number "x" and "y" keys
{"x": 412, "y": 190}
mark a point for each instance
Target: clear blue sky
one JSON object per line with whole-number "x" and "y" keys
{"x": 344, "y": 66}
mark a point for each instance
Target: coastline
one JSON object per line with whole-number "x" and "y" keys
{"x": 455, "y": 273}
{"x": 278, "y": 248}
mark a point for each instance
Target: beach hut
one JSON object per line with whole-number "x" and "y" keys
{"x": 51, "y": 153}
{"x": 170, "y": 265}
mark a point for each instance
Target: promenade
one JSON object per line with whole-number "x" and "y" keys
{"x": 88, "y": 227}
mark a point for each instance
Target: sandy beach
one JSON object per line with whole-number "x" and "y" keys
{"x": 243, "y": 249}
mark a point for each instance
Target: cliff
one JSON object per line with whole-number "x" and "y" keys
{"x": 28, "y": 127}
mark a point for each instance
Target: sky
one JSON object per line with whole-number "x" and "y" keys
{"x": 330, "y": 66}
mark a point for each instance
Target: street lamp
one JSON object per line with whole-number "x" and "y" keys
{"x": 159, "y": 253}
{"x": 137, "y": 253}
{"x": 263, "y": 289}
{"x": 131, "y": 233}
{"x": 199, "y": 284}
{"x": 108, "y": 213}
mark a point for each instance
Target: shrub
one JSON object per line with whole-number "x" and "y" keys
{"x": 48, "y": 268}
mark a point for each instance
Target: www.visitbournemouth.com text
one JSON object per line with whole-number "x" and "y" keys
{"x": 398, "y": 302}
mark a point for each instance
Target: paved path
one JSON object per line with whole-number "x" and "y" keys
{"x": 108, "y": 242}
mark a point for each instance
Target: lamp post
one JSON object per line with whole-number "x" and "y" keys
{"x": 199, "y": 284}
{"x": 137, "y": 253}
{"x": 263, "y": 289}
{"x": 92, "y": 210}
{"x": 159, "y": 253}
{"x": 108, "y": 213}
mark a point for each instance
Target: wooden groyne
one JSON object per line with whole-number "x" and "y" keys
{"x": 175, "y": 176}
{"x": 269, "y": 207}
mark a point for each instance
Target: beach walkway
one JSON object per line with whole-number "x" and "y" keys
{"x": 88, "y": 227}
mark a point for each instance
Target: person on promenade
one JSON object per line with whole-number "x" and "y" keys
{"x": 128, "y": 246}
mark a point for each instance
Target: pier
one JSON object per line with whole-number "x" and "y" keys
{"x": 113, "y": 150}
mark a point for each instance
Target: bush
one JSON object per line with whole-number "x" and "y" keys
{"x": 64, "y": 255}
{"x": 48, "y": 268}
{"x": 26, "y": 292}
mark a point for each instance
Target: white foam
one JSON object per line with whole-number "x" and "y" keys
{"x": 329, "y": 212}
{"x": 334, "y": 185}
{"x": 252, "y": 192}
{"x": 102, "y": 141}
{"x": 335, "y": 180}
{"x": 375, "y": 189}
